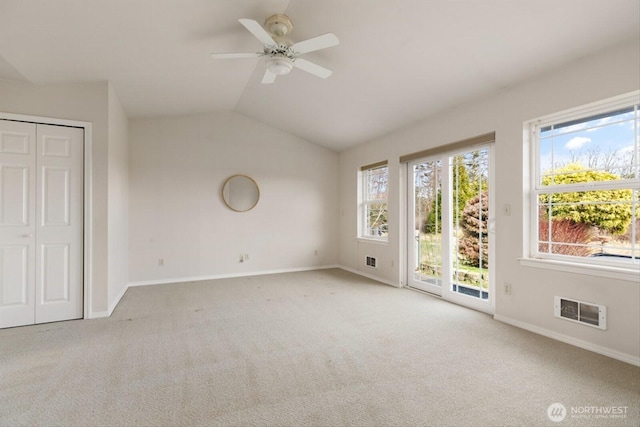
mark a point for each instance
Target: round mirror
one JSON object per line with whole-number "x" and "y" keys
{"x": 240, "y": 193}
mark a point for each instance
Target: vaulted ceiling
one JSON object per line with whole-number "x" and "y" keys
{"x": 397, "y": 62}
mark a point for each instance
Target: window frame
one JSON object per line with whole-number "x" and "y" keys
{"x": 364, "y": 203}
{"x": 626, "y": 270}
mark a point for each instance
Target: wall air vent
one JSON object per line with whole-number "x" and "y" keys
{"x": 371, "y": 261}
{"x": 581, "y": 312}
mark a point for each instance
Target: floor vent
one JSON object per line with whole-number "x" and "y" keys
{"x": 581, "y": 312}
{"x": 371, "y": 261}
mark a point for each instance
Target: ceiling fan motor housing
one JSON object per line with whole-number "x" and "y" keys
{"x": 281, "y": 50}
{"x": 279, "y": 25}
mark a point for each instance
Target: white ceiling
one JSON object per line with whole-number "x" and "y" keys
{"x": 398, "y": 60}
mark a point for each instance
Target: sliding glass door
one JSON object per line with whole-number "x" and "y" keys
{"x": 450, "y": 226}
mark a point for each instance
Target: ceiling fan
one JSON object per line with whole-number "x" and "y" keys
{"x": 282, "y": 54}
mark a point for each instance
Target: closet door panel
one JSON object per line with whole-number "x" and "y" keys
{"x": 59, "y": 231}
{"x": 17, "y": 223}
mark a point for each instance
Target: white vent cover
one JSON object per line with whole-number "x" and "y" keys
{"x": 371, "y": 261}
{"x": 581, "y": 312}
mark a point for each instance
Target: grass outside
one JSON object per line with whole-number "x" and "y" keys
{"x": 430, "y": 262}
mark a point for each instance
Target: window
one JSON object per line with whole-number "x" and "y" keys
{"x": 585, "y": 196}
{"x": 374, "y": 201}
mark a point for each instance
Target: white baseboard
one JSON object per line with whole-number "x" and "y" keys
{"x": 624, "y": 357}
{"x": 229, "y": 276}
{"x": 370, "y": 276}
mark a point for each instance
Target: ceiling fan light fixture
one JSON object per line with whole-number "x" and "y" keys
{"x": 279, "y": 66}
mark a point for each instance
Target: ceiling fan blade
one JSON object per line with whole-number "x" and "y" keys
{"x": 235, "y": 55}
{"x": 268, "y": 77}
{"x": 260, "y": 33}
{"x": 316, "y": 43}
{"x": 312, "y": 68}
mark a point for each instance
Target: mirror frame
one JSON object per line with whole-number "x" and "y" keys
{"x": 226, "y": 183}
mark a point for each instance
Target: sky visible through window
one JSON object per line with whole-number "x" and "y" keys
{"x": 606, "y": 143}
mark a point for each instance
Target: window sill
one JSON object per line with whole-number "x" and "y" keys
{"x": 374, "y": 241}
{"x": 631, "y": 274}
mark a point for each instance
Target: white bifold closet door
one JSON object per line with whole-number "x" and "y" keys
{"x": 41, "y": 223}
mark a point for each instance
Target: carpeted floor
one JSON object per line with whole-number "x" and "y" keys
{"x": 320, "y": 348}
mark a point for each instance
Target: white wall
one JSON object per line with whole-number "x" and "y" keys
{"x": 82, "y": 102}
{"x": 177, "y": 169}
{"x": 593, "y": 78}
{"x": 118, "y": 209}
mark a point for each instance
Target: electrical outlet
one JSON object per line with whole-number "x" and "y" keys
{"x": 161, "y": 262}
{"x": 507, "y": 288}
{"x": 246, "y": 257}
{"x": 241, "y": 257}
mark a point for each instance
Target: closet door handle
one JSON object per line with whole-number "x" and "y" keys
{"x": 26, "y": 236}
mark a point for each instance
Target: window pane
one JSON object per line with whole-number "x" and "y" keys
{"x": 605, "y": 144}
{"x": 428, "y": 222}
{"x": 470, "y": 230}
{"x": 601, "y": 224}
{"x": 376, "y": 220}
{"x": 376, "y": 183}
{"x": 374, "y": 202}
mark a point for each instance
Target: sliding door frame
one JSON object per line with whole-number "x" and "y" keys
{"x": 445, "y": 290}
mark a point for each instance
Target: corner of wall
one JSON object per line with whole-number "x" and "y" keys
{"x": 117, "y": 200}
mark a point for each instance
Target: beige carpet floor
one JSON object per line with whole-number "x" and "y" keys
{"x": 320, "y": 348}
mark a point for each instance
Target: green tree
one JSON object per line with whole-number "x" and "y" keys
{"x": 462, "y": 192}
{"x": 477, "y": 167}
{"x": 433, "y": 223}
{"x": 610, "y": 216}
